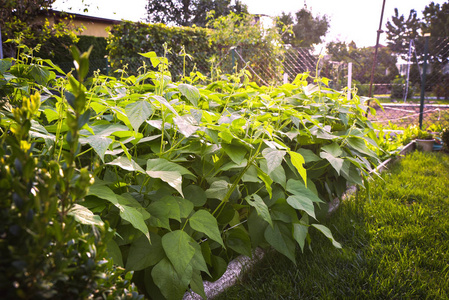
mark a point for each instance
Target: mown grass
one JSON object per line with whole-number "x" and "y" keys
{"x": 395, "y": 246}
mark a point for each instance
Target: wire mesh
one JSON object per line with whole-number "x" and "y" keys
{"x": 397, "y": 81}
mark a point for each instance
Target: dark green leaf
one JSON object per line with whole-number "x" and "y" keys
{"x": 280, "y": 237}
{"x": 177, "y": 247}
{"x": 142, "y": 254}
{"x": 204, "y": 222}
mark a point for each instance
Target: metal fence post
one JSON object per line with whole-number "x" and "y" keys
{"x": 423, "y": 82}
{"x": 1, "y": 44}
{"x": 233, "y": 58}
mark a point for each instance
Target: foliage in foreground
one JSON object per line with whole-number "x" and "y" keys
{"x": 191, "y": 175}
{"x": 395, "y": 246}
{"x": 51, "y": 247}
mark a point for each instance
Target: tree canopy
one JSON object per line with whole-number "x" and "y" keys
{"x": 401, "y": 30}
{"x": 19, "y": 18}
{"x": 190, "y": 12}
{"x": 306, "y": 30}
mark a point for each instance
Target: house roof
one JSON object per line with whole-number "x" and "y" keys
{"x": 80, "y": 17}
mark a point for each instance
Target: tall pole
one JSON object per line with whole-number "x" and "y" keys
{"x": 1, "y": 44}
{"x": 423, "y": 80}
{"x": 375, "y": 53}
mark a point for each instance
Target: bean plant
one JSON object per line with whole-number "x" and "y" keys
{"x": 191, "y": 174}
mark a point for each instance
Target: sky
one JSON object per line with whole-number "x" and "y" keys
{"x": 350, "y": 20}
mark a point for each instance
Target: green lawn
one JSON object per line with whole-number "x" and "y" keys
{"x": 395, "y": 246}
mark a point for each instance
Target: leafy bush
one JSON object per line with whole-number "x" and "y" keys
{"x": 192, "y": 175}
{"x": 51, "y": 247}
{"x": 398, "y": 88}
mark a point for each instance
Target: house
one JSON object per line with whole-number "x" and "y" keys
{"x": 93, "y": 26}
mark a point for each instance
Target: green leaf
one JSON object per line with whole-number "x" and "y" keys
{"x": 274, "y": 158}
{"x": 114, "y": 252}
{"x": 236, "y": 152}
{"x": 308, "y": 155}
{"x": 102, "y": 192}
{"x": 190, "y": 92}
{"x": 177, "y": 247}
{"x": 138, "y": 112}
{"x": 142, "y": 254}
{"x": 218, "y": 189}
{"x": 197, "y": 284}
{"x": 360, "y": 145}
{"x": 167, "y": 171}
{"x": 335, "y": 162}
{"x": 238, "y": 240}
{"x": 84, "y": 216}
{"x": 298, "y": 162}
{"x": 126, "y": 164}
{"x": 184, "y": 125}
{"x": 296, "y": 187}
{"x": 266, "y": 179}
{"x": 99, "y": 143}
{"x": 171, "y": 283}
{"x": 195, "y": 194}
{"x": 204, "y": 222}
{"x": 334, "y": 149}
{"x": 302, "y": 202}
{"x": 130, "y": 214}
{"x": 163, "y": 210}
{"x": 300, "y": 232}
{"x": 40, "y": 74}
{"x": 279, "y": 236}
{"x": 262, "y": 209}
{"x": 326, "y": 231}
{"x": 133, "y": 216}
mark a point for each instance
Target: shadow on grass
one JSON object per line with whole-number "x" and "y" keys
{"x": 394, "y": 247}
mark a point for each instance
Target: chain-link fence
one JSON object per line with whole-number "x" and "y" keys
{"x": 399, "y": 80}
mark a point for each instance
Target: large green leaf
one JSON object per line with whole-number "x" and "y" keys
{"x": 262, "y": 209}
{"x": 142, "y": 254}
{"x": 218, "y": 189}
{"x": 236, "y": 152}
{"x": 300, "y": 232}
{"x": 99, "y": 143}
{"x": 185, "y": 125}
{"x": 84, "y": 216}
{"x": 177, "y": 247}
{"x": 171, "y": 283}
{"x": 190, "y": 92}
{"x": 238, "y": 240}
{"x": 167, "y": 171}
{"x": 280, "y": 237}
{"x": 114, "y": 252}
{"x": 274, "y": 158}
{"x": 195, "y": 194}
{"x": 196, "y": 284}
{"x": 302, "y": 202}
{"x": 335, "y": 162}
{"x": 204, "y": 222}
{"x": 308, "y": 155}
{"x": 138, "y": 112}
{"x": 298, "y": 161}
{"x": 334, "y": 149}
{"x": 326, "y": 231}
{"x": 128, "y": 213}
{"x": 126, "y": 164}
{"x": 360, "y": 145}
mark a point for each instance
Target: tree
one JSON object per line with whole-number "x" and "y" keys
{"x": 400, "y": 31}
{"x": 436, "y": 19}
{"x": 19, "y": 18}
{"x": 190, "y": 12}
{"x": 306, "y": 30}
